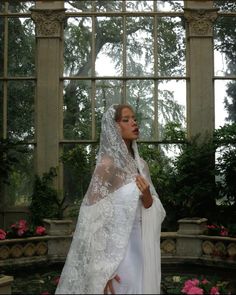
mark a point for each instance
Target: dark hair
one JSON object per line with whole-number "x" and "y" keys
{"x": 118, "y": 110}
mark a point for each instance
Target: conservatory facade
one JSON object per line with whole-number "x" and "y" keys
{"x": 62, "y": 63}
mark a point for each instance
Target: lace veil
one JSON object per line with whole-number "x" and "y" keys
{"x": 115, "y": 166}
{"x": 106, "y": 215}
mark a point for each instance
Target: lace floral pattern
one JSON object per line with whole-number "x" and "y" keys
{"x": 106, "y": 215}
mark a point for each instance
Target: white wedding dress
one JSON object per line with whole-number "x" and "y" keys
{"x": 115, "y": 234}
{"x": 130, "y": 269}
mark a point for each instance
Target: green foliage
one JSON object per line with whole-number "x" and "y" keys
{"x": 10, "y": 152}
{"x": 194, "y": 190}
{"x": 78, "y": 163}
{"x": 225, "y": 140}
{"x": 173, "y": 132}
{"x": 45, "y": 202}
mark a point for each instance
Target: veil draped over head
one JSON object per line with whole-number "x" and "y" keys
{"x": 106, "y": 218}
{"x": 115, "y": 166}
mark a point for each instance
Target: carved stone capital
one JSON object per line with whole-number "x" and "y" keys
{"x": 200, "y": 21}
{"x": 48, "y": 22}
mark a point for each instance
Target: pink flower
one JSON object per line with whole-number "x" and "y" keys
{"x": 22, "y": 224}
{"x": 189, "y": 284}
{"x": 195, "y": 290}
{"x": 224, "y": 232}
{"x": 40, "y": 230}
{"x": 2, "y": 234}
{"x": 205, "y": 281}
{"x": 214, "y": 291}
{"x": 20, "y": 232}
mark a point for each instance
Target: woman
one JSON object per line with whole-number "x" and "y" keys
{"x": 116, "y": 244}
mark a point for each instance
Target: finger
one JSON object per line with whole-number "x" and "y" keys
{"x": 111, "y": 287}
{"x": 117, "y": 278}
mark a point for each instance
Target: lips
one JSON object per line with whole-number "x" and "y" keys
{"x": 136, "y": 131}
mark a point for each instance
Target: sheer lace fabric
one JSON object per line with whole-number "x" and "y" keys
{"x": 106, "y": 219}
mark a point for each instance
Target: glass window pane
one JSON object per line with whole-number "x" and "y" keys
{"x": 106, "y": 6}
{"x": 21, "y": 47}
{"x": 1, "y": 45}
{"x": 139, "y": 5}
{"x": 77, "y": 53}
{"x": 109, "y": 46}
{"x": 77, "y": 109}
{"x": 20, "y": 121}
{"x": 225, "y": 102}
{"x": 140, "y": 97}
{"x": 226, "y": 6}
{"x": 79, "y": 6}
{"x": 21, "y": 178}
{"x": 108, "y": 92}
{"x": 171, "y": 105}
{"x": 140, "y": 57}
{"x": 170, "y": 47}
{"x": 78, "y": 163}
{"x": 2, "y": 6}
{"x": 225, "y": 46}
{"x": 170, "y": 5}
{"x": 20, "y": 6}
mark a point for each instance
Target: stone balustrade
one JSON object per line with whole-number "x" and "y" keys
{"x": 191, "y": 243}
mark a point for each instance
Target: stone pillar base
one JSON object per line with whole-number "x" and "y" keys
{"x": 5, "y": 284}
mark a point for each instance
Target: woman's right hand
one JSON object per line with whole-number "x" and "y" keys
{"x": 109, "y": 287}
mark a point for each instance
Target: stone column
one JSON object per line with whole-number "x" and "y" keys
{"x": 200, "y": 16}
{"x": 49, "y": 20}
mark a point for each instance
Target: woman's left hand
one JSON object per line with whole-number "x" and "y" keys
{"x": 144, "y": 188}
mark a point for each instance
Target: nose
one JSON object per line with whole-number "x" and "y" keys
{"x": 134, "y": 122}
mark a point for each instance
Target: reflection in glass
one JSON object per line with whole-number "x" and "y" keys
{"x": 77, "y": 109}
{"x": 140, "y": 57}
{"x": 78, "y": 6}
{"x": 108, "y": 46}
{"x": 140, "y": 97}
{"x": 140, "y": 5}
{"x": 20, "y": 6}
{"x": 21, "y": 109}
{"x": 170, "y": 5}
{"x": 106, "y": 6}
{"x": 21, "y": 178}
{"x": 225, "y": 46}
{"x": 225, "y": 102}
{"x": 21, "y": 47}
{"x": 170, "y": 47}
{"x": 171, "y": 105}
{"x": 225, "y": 6}
{"x": 78, "y": 163}
{"x": 77, "y": 53}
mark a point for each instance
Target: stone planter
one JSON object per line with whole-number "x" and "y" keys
{"x": 192, "y": 226}
{"x": 5, "y": 284}
{"x": 188, "y": 242}
{"x": 60, "y": 235}
{"x": 58, "y": 227}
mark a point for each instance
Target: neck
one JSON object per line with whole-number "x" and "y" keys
{"x": 129, "y": 147}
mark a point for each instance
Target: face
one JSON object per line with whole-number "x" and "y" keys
{"x": 128, "y": 125}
